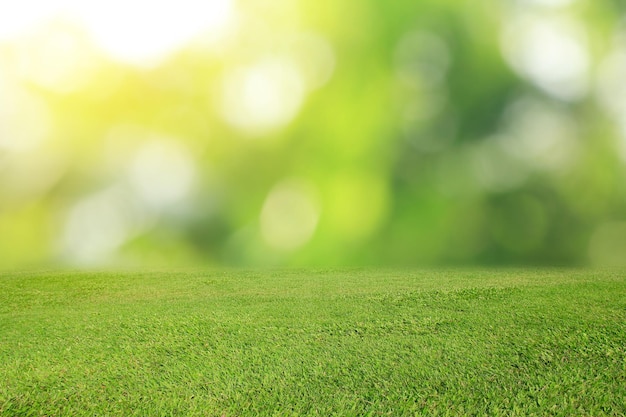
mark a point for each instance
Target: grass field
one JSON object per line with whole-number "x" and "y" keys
{"x": 324, "y": 342}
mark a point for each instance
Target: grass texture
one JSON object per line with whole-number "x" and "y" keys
{"x": 360, "y": 342}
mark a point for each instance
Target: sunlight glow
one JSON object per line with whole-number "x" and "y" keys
{"x": 263, "y": 97}
{"x": 56, "y": 59}
{"x": 20, "y": 17}
{"x": 137, "y": 32}
{"x": 552, "y": 53}
{"x": 144, "y": 32}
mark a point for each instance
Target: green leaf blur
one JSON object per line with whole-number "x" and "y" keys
{"x": 316, "y": 133}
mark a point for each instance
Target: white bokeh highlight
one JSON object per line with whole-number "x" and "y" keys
{"x": 97, "y": 225}
{"x": 145, "y": 32}
{"x": 17, "y": 18}
{"x": 263, "y": 97}
{"x": 550, "y": 52}
{"x": 136, "y": 32}
{"x": 162, "y": 172}
{"x": 496, "y": 169}
{"x": 542, "y": 135}
{"x": 289, "y": 215}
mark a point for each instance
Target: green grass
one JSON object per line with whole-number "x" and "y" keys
{"x": 298, "y": 342}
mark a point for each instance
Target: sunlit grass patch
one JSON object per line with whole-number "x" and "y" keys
{"x": 298, "y": 342}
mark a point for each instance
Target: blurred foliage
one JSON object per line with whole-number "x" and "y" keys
{"x": 315, "y": 133}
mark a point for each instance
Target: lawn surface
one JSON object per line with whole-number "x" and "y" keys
{"x": 323, "y": 342}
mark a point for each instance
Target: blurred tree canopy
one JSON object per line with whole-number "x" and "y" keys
{"x": 272, "y": 133}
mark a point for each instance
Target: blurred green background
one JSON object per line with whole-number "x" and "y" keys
{"x": 321, "y": 133}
